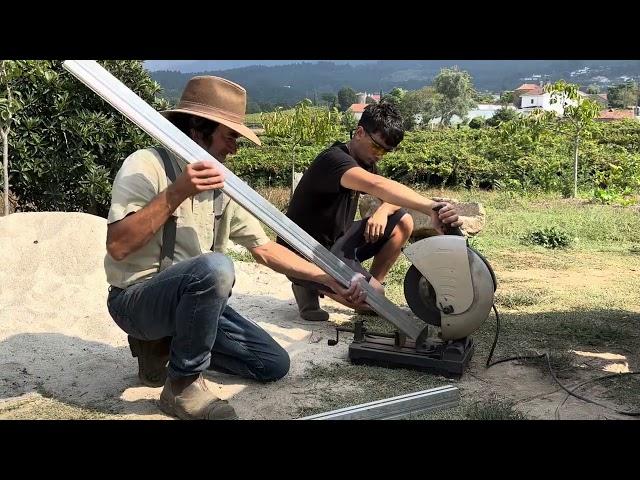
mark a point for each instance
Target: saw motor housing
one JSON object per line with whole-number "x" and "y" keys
{"x": 449, "y": 285}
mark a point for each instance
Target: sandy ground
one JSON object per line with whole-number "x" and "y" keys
{"x": 58, "y": 341}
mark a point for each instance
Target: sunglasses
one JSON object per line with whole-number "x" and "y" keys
{"x": 379, "y": 148}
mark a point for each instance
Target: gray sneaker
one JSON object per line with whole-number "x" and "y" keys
{"x": 190, "y": 399}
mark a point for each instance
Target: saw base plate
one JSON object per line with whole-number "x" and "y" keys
{"x": 447, "y": 359}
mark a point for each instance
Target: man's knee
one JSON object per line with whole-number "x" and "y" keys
{"x": 276, "y": 366}
{"x": 216, "y": 271}
{"x": 405, "y": 226}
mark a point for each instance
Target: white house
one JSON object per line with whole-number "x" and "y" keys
{"x": 361, "y": 97}
{"x": 482, "y": 110}
{"x": 485, "y": 111}
{"x": 528, "y": 97}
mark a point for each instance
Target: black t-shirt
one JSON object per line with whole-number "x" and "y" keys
{"x": 320, "y": 205}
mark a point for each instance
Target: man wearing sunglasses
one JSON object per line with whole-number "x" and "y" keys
{"x": 324, "y": 205}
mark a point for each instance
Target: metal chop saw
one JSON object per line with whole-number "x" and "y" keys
{"x": 450, "y": 286}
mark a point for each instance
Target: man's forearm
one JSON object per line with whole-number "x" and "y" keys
{"x": 284, "y": 261}
{"x": 393, "y": 193}
{"x": 136, "y": 230}
{"x": 387, "y": 208}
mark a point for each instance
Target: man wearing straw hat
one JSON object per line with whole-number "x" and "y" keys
{"x": 168, "y": 227}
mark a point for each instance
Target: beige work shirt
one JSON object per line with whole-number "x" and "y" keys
{"x": 139, "y": 180}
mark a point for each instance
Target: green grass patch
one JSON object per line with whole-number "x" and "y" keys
{"x": 519, "y": 299}
{"x": 623, "y": 389}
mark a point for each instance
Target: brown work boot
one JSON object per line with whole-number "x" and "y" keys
{"x": 188, "y": 398}
{"x": 308, "y": 304}
{"x": 153, "y": 356}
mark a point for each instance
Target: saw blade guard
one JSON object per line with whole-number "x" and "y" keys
{"x": 462, "y": 281}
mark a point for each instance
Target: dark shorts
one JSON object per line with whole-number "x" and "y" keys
{"x": 353, "y": 249}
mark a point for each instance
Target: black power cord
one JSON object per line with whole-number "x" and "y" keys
{"x": 604, "y": 377}
{"x": 572, "y": 393}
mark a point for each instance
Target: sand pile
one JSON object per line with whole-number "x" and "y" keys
{"x": 58, "y": 340}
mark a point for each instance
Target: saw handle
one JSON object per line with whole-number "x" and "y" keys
{"x": 446, "y": 228}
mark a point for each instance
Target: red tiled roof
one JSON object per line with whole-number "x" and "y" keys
{"x": 357, "y": 107}
{"x": 535, "y": 90}
{"x": 528, "y": 86}
{"x": 612, "y": 114}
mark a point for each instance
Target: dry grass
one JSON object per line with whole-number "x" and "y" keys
{"x": 35, "y": 406}
{"x": 584, "y": 298}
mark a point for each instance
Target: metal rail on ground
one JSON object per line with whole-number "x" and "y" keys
{"x": 396, "y": 407}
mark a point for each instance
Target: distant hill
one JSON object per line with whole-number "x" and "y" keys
{"x": 189, "y": 66}
{"x": 288, "y": 84}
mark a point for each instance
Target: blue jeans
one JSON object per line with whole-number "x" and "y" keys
{"x": 188, "y": 302}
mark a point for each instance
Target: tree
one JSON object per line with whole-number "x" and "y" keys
{"x": 579, "y": 114}
{"x": 346, "y": 98}
{"x": 349, "y": 121}
{"x": 593, "y": 89}
{"x": 456, "y": 93}
{"x": 420, "y": 102}
{"x": 370, "y": 100}
{"x": 253, "y": 107}
{"x": 502, "y": 115}
{"x": 506, "y": 98}
{"x": 67, "y": 142}
{"x": 623, "y": 95}
{"x": 330, "y": 99}
{"x": 306, "y": 124}
{"x": 482, "y": 97}
{"x": 395, "y": 96}
{"x": 266, "y": 106}
{"x": 10, "y": 104}
{"x": 476, "y": 122}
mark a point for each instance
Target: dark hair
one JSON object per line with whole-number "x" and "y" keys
{"x": 187, "y": 122}
{"x": 384, "y": 118}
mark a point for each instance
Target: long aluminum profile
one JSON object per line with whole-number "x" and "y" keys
{"x": 112, "y": 90}
{"x": 396, "y": 407}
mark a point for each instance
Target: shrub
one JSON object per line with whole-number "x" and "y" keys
{"x": 551, "y": 237}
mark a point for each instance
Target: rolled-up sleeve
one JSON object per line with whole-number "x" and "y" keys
{"x": 135, "y": 185}
{"x": 245, "y": 229}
